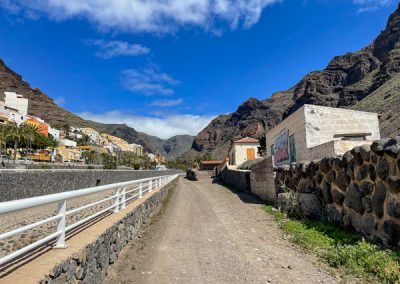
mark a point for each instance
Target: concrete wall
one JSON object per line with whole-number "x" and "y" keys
{"x": 360, "y": 191}
{"x": 262, "y": 180}
{"x": 315, "y": 126}
{"x": 239, "y": 179}
{"x": 17, "y": 184}
{"x": 322, "y": 123}
{"x": 91, "y": 264}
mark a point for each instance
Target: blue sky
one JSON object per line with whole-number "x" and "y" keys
{"x": 168, "y": 67}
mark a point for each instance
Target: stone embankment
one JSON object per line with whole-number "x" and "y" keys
{"x": 360, "y": 191}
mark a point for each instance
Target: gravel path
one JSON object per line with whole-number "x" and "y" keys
{"x": 207, "y": 234}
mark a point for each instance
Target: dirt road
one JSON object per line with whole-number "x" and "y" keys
{"x": 207, "y": 234}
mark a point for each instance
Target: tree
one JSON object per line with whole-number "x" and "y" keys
{"x": 5, "y": 131}
{"x": 84, "y": 141}
{"x": 67, "y": 129}
{"x": 31, "y": 132}
{"x": 262, "y": 149}
{"x": 17, "y": 136}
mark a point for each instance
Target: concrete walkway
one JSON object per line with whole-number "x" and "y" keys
{"x": 207, "y": 234}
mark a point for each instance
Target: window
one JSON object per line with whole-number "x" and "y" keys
{"x": 272, "y": 149}
{"x": 292, "y": 149}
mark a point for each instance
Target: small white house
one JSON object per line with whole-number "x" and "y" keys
{"x": 68, "y": 143}
{"x": 314, "y": 132}
{"x": 15, "y": 101}
{"x": 245, "y": 149}
{"x": 55, "y": 133}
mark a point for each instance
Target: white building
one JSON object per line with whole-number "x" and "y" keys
{"x": 55, "y": 133}
{"x": 15, "y": 101}
{"x": 15, "y": 116}
{"x": 68, "y": 143}
{"x": 243, "y": 150}
{"x": 136, "y": 148}
{"x": 314, "y": 132}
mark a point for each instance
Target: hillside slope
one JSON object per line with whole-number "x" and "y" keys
{"x": 365, "y": 76}
{"x": 43, "y": 106}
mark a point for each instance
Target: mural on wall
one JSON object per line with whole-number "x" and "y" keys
{"x": 292, "y": 144}
{"x": 282, "y": 148}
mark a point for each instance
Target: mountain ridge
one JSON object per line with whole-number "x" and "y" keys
{"x": 41, "y": 105}
{"x": 347, "y": 81}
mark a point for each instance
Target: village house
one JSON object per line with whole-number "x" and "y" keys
{"x": 42, "y": 126}
{"x": 314, "y": 132}
{"x": 245, "y": 149}
{"x": 17, "y": 102}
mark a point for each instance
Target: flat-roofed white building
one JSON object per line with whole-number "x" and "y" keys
{"x": 15, "y": 101}
{"x": 55, "y": 133}
{"x": 245, "y": 149}
{"x": 314, "y": 132}
{"x": 68, "y": 143}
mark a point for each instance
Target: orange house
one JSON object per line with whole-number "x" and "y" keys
{"x": 43, "y": 127}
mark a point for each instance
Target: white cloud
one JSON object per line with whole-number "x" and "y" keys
{"x": 159, "y": 16}
{"x": 110, "y": 49}
{"x": 371, "y": 5}
{"x": 165, "y": 127}
{"x": 166, "y": 103}
{"x": 148, "y": 81}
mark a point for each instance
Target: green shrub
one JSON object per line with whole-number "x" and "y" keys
{"x": 341, "y": 249}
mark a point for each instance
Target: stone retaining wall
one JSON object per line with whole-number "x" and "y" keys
{"x": 17, "y": 184}
{"x": 262, "y": 180}
{"x": 360, "y": 191}
{"x": 91, "y": 264}
{"x": 239, "y": 179}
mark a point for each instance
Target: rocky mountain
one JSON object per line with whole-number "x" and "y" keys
{"x": 41, "y": 105}
{"x": 367, "y": 80}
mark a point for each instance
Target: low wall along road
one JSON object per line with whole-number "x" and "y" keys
{"x": 18, "y": 184}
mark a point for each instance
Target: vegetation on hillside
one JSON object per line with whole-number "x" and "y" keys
{"x": 341, "y": 249}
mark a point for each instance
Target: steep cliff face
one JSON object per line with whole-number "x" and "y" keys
{"x": 366, "y": 80}
{"x": 44, "y": 107}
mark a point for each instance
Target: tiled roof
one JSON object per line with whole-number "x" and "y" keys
{"x": 247, "y": 140}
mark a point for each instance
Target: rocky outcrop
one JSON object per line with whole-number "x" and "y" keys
{"x": 365, "y": 80}
{"x": 360, "y": 191}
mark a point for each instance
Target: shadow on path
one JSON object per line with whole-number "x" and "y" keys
{"x": 245, "y": 196}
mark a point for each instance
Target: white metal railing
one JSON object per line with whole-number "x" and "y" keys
{"x": 123, "y": 193}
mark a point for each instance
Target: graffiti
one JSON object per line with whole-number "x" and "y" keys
{"x": 282, "y": 147}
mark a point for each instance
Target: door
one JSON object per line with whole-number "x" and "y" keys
{"x": 251, "y": 154}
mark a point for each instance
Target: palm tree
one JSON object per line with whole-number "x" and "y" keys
{"x": 5, "y": 131}
{"x": 17, "y": 135}
{"x": 31, "y": 131}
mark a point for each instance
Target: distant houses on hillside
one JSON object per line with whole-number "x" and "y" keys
{"x": 73, "y": 142}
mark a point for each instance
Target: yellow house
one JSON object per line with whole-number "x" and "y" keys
{"x": 68, "y": 154}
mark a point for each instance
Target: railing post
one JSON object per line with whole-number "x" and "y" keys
{"x": 123, "y": 199}
{"x": 151, "y": 185}
{"x": 141, "y": 190}
{"x": 62, "y": 210}
{"x": 116, "y": 200}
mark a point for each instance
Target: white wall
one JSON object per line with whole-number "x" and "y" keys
{"x": 240, "y": 152}
{"x": 16, "y": 101}
{"x": 68, "y": 143}
{"x": 314, "y": 127}
{"x": 55, "y": 133}
{"x": 322, "y": 123}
